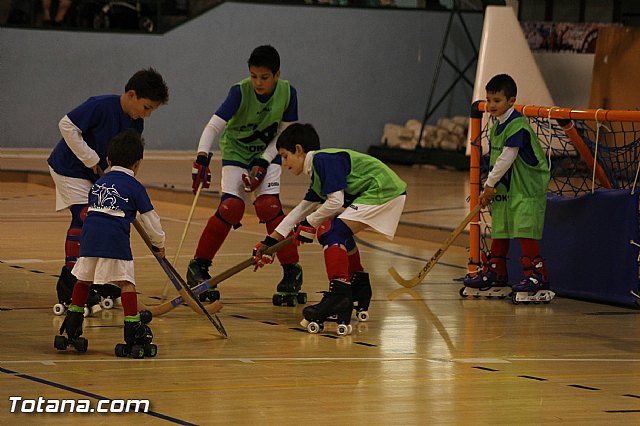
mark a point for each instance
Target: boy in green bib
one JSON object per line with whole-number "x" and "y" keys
{"x": 255, "y": 111}
{"x": 517, "y": 190}
{"x": 349, "y": 192}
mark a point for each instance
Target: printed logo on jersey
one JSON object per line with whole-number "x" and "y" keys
{"x": 108, "y": 200}
{"x": 265, "y": 136}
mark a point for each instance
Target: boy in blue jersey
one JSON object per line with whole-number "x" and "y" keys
{"x": 105, "y": 246}
{"x": 349, "y": 192}
{"x": 86, "y": 133}
{"x": 248, "y": 122}
{"x": 517, "y": 190}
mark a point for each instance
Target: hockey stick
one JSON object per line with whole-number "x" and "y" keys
{"x": 165, "y": 290}
{"x": 438, "y": 254}
{"x": 179, "y": 283}
{"x": 212, "y": 282}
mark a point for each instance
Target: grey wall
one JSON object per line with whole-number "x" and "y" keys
{"x": 355, "y": 69}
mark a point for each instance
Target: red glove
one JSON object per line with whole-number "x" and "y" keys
{"x": 304, "y": 233}
{"x": 259, "y": 254}
{"x": 256, "y": 174}
{"x": 201, "y": 174}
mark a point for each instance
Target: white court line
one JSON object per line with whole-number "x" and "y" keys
{"x": 242, "y": 360}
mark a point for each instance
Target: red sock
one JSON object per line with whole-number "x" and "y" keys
{"x": 212, "y": 238}
{"x": 500, "y": 247}
{"x": 530, "y": 248}
{"x": 80, "y": 293}
{"x": 337, "y": 263}
{"x": 129, "y": 302}
{"x": 354, "y": 263}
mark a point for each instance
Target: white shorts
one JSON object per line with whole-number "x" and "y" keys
{"x": 70, "y": 191}
{"x": 382, "y": 218}
{"x": 231, "y": 182}
{"x": 100, "y": 270}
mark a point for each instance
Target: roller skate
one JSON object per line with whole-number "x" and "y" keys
{"x": 109, "y": 294}
{"x": 534, "y": 287}
{"x": 64, "y": 288}
{"x": 336, "y": 306}
{"x": 137, "y": 337}
{"x": 361, "y": 291}
{"x": 93, "y": 301}
{"x": 72, "y": 325}
{"x": 490, "y": 281}
{"x": 198, "y": 272}
{"x": 288, "y": 290}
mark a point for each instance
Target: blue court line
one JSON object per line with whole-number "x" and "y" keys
{"x": 88, "y": 394}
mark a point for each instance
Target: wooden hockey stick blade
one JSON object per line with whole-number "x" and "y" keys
{"x": 179, "y": 283}
{"x": 412, "y": 282}
{"x": 163, "y": 308}
{"x": 212, "y": 282}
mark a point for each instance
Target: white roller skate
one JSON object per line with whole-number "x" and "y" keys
{"x": 534, "y": 287}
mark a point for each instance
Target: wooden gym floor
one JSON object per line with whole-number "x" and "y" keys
{"x": 426, "y": 356}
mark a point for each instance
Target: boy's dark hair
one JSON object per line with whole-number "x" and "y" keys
{"x": 299, "y": 134}
{"x": 502, "y": 83}
{"x": 125, "y": 148}
{"x": 149, "y": 84}
{"x": 265, "y": 56}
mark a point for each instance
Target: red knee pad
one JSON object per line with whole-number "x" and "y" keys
{"x": 231, "y": 210}
{"x": 268, "y": 208}
{"x": 72, "y": 247}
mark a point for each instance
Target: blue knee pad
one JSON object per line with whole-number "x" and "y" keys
{"x": 335, "y": 232}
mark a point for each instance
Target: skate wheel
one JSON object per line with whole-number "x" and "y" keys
{"x": 121, "y": 350}
{"x": 314, "y": 328}
{"x": 150, "y": 350}
{"x": 213, "y": 296}
{"x": 59, "y": 309}
{"x": 60, "y": 343}
{"x": 343, "y": 329}
{"x": 362, "y": 316}
{"x": 81, "y": 344}
{"x": 107, "y": 303}
{"x": 292, "y": 301}
{"x": 137, "y": 351}
{"x": 513, "y": 299}
{"x": 276, "y": 300}
{"x": 86, "y": 312}
{"x": 302, "y": 298}
{"x": 461, "y": 292}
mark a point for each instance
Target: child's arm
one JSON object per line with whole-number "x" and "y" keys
{"x": 73, "y": 137}
{"x": 151, "y": 223}
{"x": 298, "y": 213}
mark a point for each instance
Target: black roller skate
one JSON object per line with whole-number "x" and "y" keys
{"x": 534, "y": 287}
{"x": 198, "y": 272}
{"x": 72, "y": 325}
{"x": 137, "y": 337}
{"x": 109, "y": 294}
{"x": 288, "y": 290}
{"x": 490, "y": 281}
{"x": 64, "y": 288}
{"x": 361, "y": 290}
{"x": 336, "y": 306}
